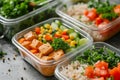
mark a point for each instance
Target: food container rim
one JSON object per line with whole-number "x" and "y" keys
{"x": 18, "y": 45}
{"x": 82, "y": 25}
{"x": 59, "y": 76}
{"x": 30, "y": 14}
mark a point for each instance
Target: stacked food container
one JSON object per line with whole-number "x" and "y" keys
{"x": 64, "y": 46}
{"x": 18, "y": 15}
{"x": 100, "y": 19}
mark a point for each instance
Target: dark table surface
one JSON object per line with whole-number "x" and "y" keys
{"x": 13, "y": 67}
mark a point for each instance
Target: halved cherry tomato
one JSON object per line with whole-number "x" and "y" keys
{"x": 92, "y": 15}
{"x": 66, "y": 37}
{"x": 89, "y": 72}
{"x": 98, "y": 21}
{"x": 37, "y": 30}
{"x": 101, "y": 65}
{"x": 115, "y": 73}
{"x": 64, "y": 33}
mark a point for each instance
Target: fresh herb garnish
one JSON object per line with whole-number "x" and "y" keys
{"x": 58, "y": 43}
{"x": 91, "y": 56}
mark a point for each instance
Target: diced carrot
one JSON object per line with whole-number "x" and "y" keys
{"x": 89, "y": 72}
{"x": 37, "y": 30}
{"x": 66, "y": 37}
{"x": 34, "y": 51}
{"x": 21, "y": 40}
{"x": 48, "y": 37}
{"x": 57, "y": 35}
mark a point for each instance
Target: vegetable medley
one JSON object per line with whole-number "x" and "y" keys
{"x": 51, "y": 41}
{"x": 17, "y": 8}
{"x": 95, "y": 13}
{"x": 94, "y": 64}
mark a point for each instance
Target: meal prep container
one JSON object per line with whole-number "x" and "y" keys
{"x": 100, "y": 34}
{"x": 8, "y": 27}
{"x": 72, "y": 58}
{"x": 47, "y": 67}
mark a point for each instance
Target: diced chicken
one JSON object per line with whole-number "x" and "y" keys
{"x": 26, "y": 44}
{"x": 47, "y": 58}
{"x": 29, "y": 36}
{"x": 45, "y": 49}
{"x": 35, "y": 43}
{"x": 39, "y": 55}
{"x": 57, "y": 54}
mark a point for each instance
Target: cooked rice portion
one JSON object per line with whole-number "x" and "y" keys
{"x": 74, "y": 71}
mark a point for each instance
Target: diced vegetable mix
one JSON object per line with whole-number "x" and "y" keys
{"x": 52, "y": 41}
{"x": 16, "y": 8}
{"x": 102, "y": 64}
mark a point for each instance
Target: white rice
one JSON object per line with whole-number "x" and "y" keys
{"x": 74, "y": 71}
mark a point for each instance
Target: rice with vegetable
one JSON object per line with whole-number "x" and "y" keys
{"x": 95, "y": 15}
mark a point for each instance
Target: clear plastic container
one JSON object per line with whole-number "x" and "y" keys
{"x": 98, "y": 34}
{"x": 11, "y": 26}
{"x": 69, "y": 59}
{"x": 47, "y": 67}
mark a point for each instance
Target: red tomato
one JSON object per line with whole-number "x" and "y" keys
{"x": 37, "y": 30}
{"x": 115, "y": 73}
{"x": 101, "y": 78}
{"x": 65, "y": 37}
{"x": 92, "y": 15}
{"x": 101, "y": 65}
{"x": 89, "y": 71}
{"x": 64, "y": 33}
{"x": 98, "y": 21}
{"x": 86, "y": 12}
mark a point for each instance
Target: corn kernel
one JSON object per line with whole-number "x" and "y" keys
{"x": 72, "y": 43}
{"x": 69, "y": 40}
{"x": 60, "y": 31}
{"x": 47, "y": 26}
{"x": 50, "y": 30}
{"x": 41, "y": 27}
{"x": 57, "y": 28}
{"x": 71, "y": 37}
{"x": 63, "y": 39}
{"x": 65, "y": 30}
